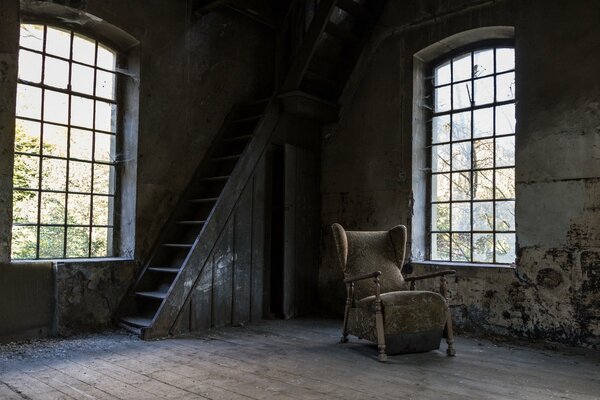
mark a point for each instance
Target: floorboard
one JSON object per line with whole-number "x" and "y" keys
{"x": 292, "y": 360}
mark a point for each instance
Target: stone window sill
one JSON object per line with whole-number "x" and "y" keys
{"x": 451, "y": 264}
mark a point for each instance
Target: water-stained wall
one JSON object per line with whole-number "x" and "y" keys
{"x": 554, "y": 292}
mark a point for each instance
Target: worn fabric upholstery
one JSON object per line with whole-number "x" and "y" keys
{"x": 365, "y": 252}
{"x": 404, "y": 312}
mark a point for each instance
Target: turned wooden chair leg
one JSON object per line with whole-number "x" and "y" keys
{"x": 379, "y": 323}
{"x": 349, "y": 290}
{"x": 450, "y": 351}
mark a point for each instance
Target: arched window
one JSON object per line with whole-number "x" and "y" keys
{"x": 472, "y": 156}
{"x": 65, "y": 145}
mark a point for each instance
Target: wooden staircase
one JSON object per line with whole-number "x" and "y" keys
{"x": 319, "y": 70}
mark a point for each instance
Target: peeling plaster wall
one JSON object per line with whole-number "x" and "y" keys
{"x": 554, "y": 293}
{"x": 192, "y": 70}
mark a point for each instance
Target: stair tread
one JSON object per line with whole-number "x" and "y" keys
{"x": 236, "y": 138}
{"x": 142, "y": 322}
{"x": 321, "y": 78}
{"x": 153, "y": 294}
{"x": 341, "y": 33}
{"x": 177, "y": 244}
{"x": 204, "y": 200}
{"x": 215, "y": 178}
{"x": 255, "y": 102}
{"x": 246, "y": 119}
{"x": 353, "y": 8}
{"x": 164, "y": 269}
{"x": 227, "y": 158}
{"x": 191, "y": 222}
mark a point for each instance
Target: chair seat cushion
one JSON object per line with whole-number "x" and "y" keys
{"x": 404, "y": 312}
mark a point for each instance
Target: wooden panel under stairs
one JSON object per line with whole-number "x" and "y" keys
{"x": 194, "y": 210}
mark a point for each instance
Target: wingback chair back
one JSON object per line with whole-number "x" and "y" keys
{"x": 364, "y": 252}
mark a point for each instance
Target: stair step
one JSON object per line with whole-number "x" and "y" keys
{"x": 190, "y": 222}
{"x": 153, "y": 295}
{"x": 255, "y": 102}
{"x": 353, "y": 8}
{"x": 247, "y": 119}
{"x": 167, "y": 270}
{"x": 237, "y": 138}
{"x": 340, "y": 33}
{"x": 178, "y": 245}
{"x": 140, "y": 322}
{"x": 320, "y": 79}
{"x": 227, "y": 158}
{"x": 206, "y": 200}
{"x": 215, "y": 178}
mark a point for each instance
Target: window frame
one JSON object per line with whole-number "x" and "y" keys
{"x": 114, "y": 205}
{"x": 429, "y": 114}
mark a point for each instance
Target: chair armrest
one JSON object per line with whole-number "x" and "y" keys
{"x": 362, "y": 277}
{"x": 431, "y": 275}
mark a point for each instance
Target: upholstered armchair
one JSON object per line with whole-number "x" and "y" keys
{"x": 379, "y": 307}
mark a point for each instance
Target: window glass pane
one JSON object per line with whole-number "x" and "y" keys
{"x": 54, "y": 173}
{"x": 483, "y": 63}
{"x": 442, "y": 99}
{"x": 55, "y": 140}
{"x": 52, "y": 208}
{"x": 505, "y": 119}
{"x": 483, "y": 247}
{"x": 505, "y": 87}
{"x": 30, "y": 66}
{"x": 441, "y": 129}
{"x": 461, "y": 247}
{"x": 26, "y": 172}
{"x": 81, "y": 144}
{"x": 484, "y": 91}
{"x": 78, "y": 212}
{"x": 461, "y": 156}
{"x": 505, "y": 248}
{"x": 27, "y": 136}
{"x": 103, "y": 179}
{"x": 505, "y": 151}
{"x": 440, "y": 187}
{"x": 483, "y": 122}
{"x": 462, "y": 94}
{"x": 84, "y": 50}
{"x": 56, "y": 107}
{"x": 82, "y": 112}
{"x": 102, "y": 210}
{"x": 461, "y": 186}
{"x": 483, "y": 216}
{"x": 24, "y": 239}
{"x": 461, "y": 126}
{"x": 461, "y": 216}
{"x": 440, "y": 158}
{"x": 483, "y": 153}
{"x": 82, "y": 79}
{"x": 440, "y": 246}
{"x": 461, "y": 67}
{"x": 505, "y": 183}
{"x": 51, "y": 241}
{"x": 78, "y": 242}
{"x": 440, "y": 217}
{"x": 32, "y": 37}
{"x": 80, "y": 177}
{"x": 105, "y": 147}
{"x": 106, "y": 58}
{"x": 505, "y": 215}
{"x": 105, "y": 84}
{"x": 29, "y": 102}
{"x": 105, "y": 116}
{"x": 505, "y": 59}
{"x": 56, "y": 73}
{"x": 483, "y": 185}
{"x": 58, "y": 42}
{"x": 441, "y": 74}
{"x": 25, "y": 207}
{"x": 100, "y": 239}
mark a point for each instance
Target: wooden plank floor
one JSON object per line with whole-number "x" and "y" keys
{"x": 297, "y": 359}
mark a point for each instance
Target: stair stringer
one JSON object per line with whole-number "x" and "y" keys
{"x": 202, "y": 249}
